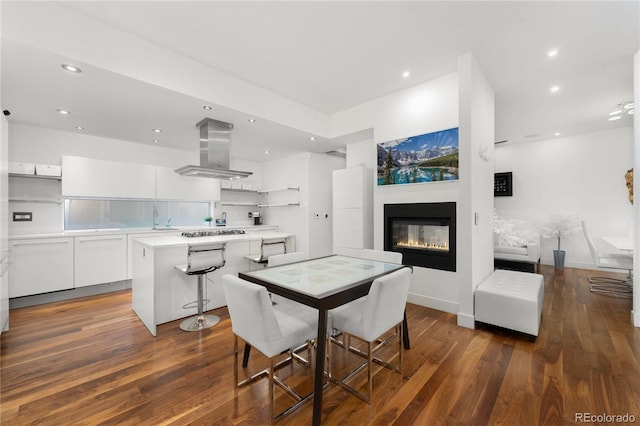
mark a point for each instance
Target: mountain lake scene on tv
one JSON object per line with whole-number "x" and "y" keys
{"x": 432, "y": 157}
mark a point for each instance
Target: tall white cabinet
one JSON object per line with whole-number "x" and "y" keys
{"x": 352, "y": 208}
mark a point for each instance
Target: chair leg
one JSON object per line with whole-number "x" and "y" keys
{"x": 369, "y": 378}
{"x": 235, "y": 361}
{"x": 272, "y": 384}
{"x": 400, "y": 346}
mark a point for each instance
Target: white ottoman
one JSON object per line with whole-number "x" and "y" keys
{"x": 511, "y": 300}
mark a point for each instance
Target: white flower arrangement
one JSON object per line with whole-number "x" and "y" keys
{"x": 505, "y": 234}
{"x": 559, "y": 226}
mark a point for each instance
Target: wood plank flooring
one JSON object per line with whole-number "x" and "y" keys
{"x": 91, "y": 361}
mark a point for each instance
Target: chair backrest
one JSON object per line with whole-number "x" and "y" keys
{"x": 271, "y": 247}
{"x": 283, "y": 259}
{"x": 346, "y": 251}
{"x": 203, "y": 258}
{"x": 370, "y": 254}
{"x": 251, "y": 312}
{"x": 592, "y": 246}
{"x": 385, "y": 303}
{"x": 382, "y": 256}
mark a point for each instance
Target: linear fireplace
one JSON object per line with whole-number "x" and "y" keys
{"x": 425, "y": 234}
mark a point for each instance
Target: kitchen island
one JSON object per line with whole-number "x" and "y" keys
{"x": 159, "y": 290}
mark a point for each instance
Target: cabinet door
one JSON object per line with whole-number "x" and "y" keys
{"x": 88, "y": 177}
{"x": 172, "y": 186}
{"x": 40, "y": 266}
{"x": 348, "y": 228}
{"x": 100, "y": 259}
{"x": 348, "y": 188}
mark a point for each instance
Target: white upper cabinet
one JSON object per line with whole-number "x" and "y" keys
{"x": 172, "y": 186}
{"x": 89, "y": 177}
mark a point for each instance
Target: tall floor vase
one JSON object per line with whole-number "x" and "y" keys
{"x": 558, "y": 259}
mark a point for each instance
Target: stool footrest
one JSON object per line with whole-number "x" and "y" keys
{"x": 194, "y": 304}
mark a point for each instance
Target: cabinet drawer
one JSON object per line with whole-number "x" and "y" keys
{"x": 40, "y": 266}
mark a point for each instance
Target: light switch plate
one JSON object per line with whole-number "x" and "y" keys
{"x": 22, "y": 216}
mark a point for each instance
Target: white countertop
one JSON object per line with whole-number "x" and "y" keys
{"x": 176, "y": 240}
{"x": 120, "y": 231}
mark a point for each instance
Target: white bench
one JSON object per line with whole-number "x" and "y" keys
{"x": 512, "y": 300}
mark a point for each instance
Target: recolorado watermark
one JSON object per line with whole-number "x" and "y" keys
{"x": 604, "y": 418}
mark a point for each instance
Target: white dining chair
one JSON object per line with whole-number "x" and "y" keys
{"x": 283, "y": 259}
{"x": 382, "y": 256}
{"x": 368, "y": 319}
{"x": 370, "y": 254}
{"x": 271, "y": 331}
{"x": 607, "y": 285}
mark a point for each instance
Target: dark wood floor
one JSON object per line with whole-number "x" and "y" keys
{"x": 91, "y": 361}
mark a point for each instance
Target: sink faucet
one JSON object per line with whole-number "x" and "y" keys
{"x": 168, "y": 223}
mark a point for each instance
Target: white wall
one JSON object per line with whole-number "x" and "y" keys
{"x": 312, "y": 173}
{"x": 321, "y": 203}
{"x": 581, "y": 175}
{"x": 636, "y": 184}
{"x": 475, "y": 212}
{"x": 426, "y": 108}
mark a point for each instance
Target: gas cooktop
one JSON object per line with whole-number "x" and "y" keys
{"x": 197, "y": 234}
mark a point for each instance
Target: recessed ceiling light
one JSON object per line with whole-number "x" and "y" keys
{"x": 556, "y": 134}
{"x": 554, "y": 89}
{"x": 157, "y": 130}
{"x": 207, "y": 107}
{"x": 156, "y": 141}
{"x": 63, "y": 111}
{"x": 406, "y": 74}
{"x": 552, "y": 53}
{"x": 79, "y": 128}
{"x": 252, "y": 120}
{"x": 71, "y": 68}
{"x": 266, "y": 152}
{"x": 312, "y": 138}
{"x": 615, "y": 117}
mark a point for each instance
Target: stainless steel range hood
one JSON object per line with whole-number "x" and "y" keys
{"x": 215, "y": 141}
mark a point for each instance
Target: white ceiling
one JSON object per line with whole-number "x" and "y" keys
{"x": 331, "y": 56}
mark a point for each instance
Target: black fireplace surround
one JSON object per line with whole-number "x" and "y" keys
{"x": 425, "y": 234}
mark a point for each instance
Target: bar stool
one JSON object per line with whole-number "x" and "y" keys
{"x": 269, "y": 246}
{"x": 201, "y": 259}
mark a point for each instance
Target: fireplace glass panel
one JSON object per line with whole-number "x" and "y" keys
{"x": 420, "y": 234}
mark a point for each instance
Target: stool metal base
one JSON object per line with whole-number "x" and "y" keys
{"x": 199, "y": 322}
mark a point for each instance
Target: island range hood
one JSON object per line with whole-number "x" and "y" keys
{"x": 215, "y": 142}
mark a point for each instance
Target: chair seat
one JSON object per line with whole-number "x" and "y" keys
{"x": 615, "y": 261}
{"x": 254, "y": 258}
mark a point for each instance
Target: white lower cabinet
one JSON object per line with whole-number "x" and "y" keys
{"x": 40, "y": 265}
{"x": 100, "y": 259}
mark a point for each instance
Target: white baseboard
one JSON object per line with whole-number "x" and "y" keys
{"x": 635, "y": 318}
{"x": 433, "y": 303}
{"x": 467, "y": 321}
{"x": 56, "y": 296}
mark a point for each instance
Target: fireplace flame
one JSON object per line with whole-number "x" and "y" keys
{"x": 443, "y": 246}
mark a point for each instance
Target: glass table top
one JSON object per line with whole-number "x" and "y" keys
{"x": 323, "y": 276}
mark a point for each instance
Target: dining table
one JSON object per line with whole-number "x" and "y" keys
{"x": 323, "y": 283}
